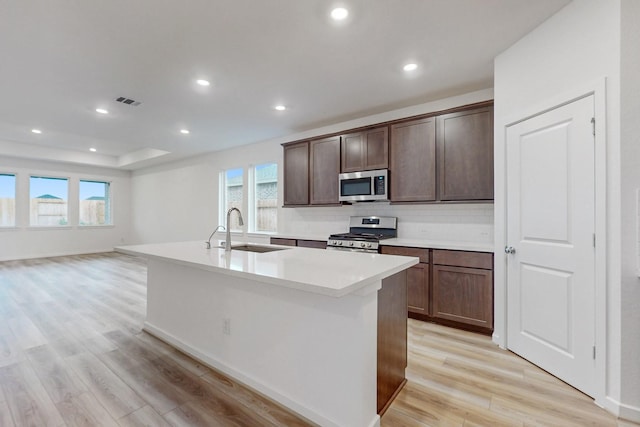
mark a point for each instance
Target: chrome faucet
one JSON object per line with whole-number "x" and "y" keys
{"x": 208, "y": 242}
{"x": 227, "y": 243}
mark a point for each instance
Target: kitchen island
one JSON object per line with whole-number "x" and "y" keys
{"x": 318, "y": 331}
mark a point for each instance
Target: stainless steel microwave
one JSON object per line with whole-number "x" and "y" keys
{"x": 365, "y": 186}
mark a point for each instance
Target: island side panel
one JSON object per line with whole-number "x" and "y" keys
{"x": 392, "y": 338}
{"x": 313, "y": 353}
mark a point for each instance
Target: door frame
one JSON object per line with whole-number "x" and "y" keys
{"x": 598, "y": 90}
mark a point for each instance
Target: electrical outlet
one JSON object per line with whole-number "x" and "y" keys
{"x": 226, "y": 326}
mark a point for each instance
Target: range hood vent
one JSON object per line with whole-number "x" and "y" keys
{"x": 128, "y": 101}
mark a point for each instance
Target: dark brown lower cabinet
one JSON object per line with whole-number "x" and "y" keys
{"x": 463, "y": 295}
{"x": 454, "y": 288}
{"x": 462, "y": 291}
{"x": 418, "y": 289}
{"x": 417, "y": 278}
{"x": 392, "y": 338}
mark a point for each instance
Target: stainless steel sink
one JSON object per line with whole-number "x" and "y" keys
{"x": 256, "y": 248}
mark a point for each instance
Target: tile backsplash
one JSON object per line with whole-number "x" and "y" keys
{"x": 472, "y": 223}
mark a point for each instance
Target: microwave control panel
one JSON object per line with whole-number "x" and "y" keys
{"x": 379, "y": 185}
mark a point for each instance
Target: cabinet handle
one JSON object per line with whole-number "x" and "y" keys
{"x": 509, "y": 250}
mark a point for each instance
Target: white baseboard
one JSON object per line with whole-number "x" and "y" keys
{"x": 630, "y": 413}
{"x": 621, "y": 410}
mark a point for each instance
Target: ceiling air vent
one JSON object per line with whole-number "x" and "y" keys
{"x": 128, "y": 101}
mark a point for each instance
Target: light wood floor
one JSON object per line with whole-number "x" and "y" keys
{"x": 72, "y": 353}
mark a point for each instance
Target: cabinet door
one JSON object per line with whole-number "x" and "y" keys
{"x": 366, "y": 150}
{"x": 465, "y": 155}
{"x": 418, "y": 289}
{"x": 296, "y": 174}
{"x": 318, "y": 244}
{"x": 325, "y": 167}
{"x": 352, "y": 152}
{"x": 463, "y": 295}
{"x": 412, "y": 161}
{"x": 376, "y": 148}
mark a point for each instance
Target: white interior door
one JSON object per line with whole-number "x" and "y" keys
{"x": 550, "y": 227}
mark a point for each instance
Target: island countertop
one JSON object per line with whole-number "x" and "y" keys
{"x": 332, "y": 273}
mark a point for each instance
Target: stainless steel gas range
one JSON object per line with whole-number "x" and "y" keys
{"x": 365, "y": 233}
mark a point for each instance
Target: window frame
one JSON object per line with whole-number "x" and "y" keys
{"x": 15, "y": 200}
{"x": 108, "y": 203}
{"x": 249, "y": 194}
{"x": 253, "y": 198}
{"x": 68, "y": 201}
{"x": 222, "y": 199}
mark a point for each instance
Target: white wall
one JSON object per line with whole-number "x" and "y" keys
{"x": 23, "y": 241}
{"x": 579, "y": 47}
{"x": 630, "y": 200}
{"x": 179, "y": 201}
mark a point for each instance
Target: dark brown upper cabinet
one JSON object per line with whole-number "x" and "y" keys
{"x": 325, "y": 167}
{"x": 465, "y": 155}
{"x": 412, "y": 161}
{"x": 365, "y": 150}
{"x": 296, "y": 174}
{"x": 431, "y": 158}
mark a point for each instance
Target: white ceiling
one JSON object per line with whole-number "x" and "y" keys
{"x": 61, "y": 59}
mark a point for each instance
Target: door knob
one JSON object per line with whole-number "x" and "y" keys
{"x": 509, "y": 250}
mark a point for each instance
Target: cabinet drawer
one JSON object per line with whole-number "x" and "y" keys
{"x": 463, "y": 259}
{"x": 421, "y": 253}
{"x": 283, "y": 242}
{"x": 319, "y": 244}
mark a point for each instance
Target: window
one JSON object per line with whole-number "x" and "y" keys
{"x": 7, "y": 200}
{"x": 232, "y": 195}
{"x": 49, "y": 198}
{"x": 95, "y": 203}
{"x": 264, "y": 199}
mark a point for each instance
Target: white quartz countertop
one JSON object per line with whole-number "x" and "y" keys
{"x": 332, "y": 273}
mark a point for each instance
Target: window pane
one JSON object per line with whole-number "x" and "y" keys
{"x": 233, "y": 195}
{"x": 49, "y": 198}
{"x": 7, "y": 200}
{"x": 95, "y": 203}
{"x": 266, "y": 197}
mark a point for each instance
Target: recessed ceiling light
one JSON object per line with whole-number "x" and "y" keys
{"x": 203, "y": 82}
{"x": 339, "y": 13}
{"x": 280, "y": 107}
{"x": 184, "y": 131}
{"x": 38, "y": 131}
{"x": 102, "y": 111}
{"x": 410, "y": 67}
{"x": 93, "y": 150}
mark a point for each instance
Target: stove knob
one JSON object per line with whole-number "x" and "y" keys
{"x": 350, "y": 243}
{"x": 368, "y": 245}
{"x": 362, "y": 245}
{"x": 340, "y": 243}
